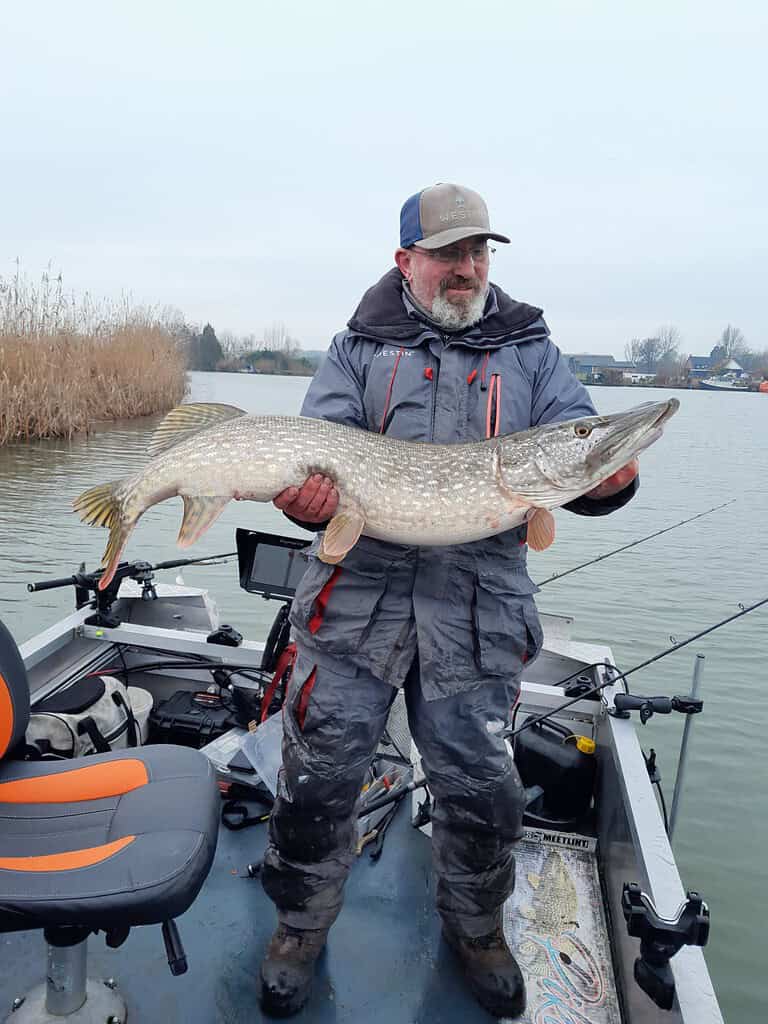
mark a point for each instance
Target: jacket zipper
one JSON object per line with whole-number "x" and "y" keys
{"x": 434, "y": 383}
{"x": 493, "y": 407}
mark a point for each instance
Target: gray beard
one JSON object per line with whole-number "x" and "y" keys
{"x": 457, "y": 317}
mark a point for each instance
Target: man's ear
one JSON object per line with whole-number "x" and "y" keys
{"x": 404, "y": 259}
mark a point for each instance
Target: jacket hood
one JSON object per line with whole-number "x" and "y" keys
{"x": 382, "y": 315}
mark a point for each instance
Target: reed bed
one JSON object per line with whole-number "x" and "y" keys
{"x": 67, "y": 364}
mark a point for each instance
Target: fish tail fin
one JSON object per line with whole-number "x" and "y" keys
{"x": 104, "y": 506}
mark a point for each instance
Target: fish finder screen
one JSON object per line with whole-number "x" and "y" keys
{"x": 275, "y": 567}
{"x": 269, "y": 565}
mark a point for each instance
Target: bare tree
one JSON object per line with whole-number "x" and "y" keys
{"x": 732, "y": 342}
{"x": 276, "y": 337}
{"x": 669, "y": 339}
{"x": 649, "y": 354}
{"x": 632, "y": 351}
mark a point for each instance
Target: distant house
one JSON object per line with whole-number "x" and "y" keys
{"x": 635, "y": 377}
{"x": 596, "y": 369}
{"x": 732, "y": 368}
{"x": 699, "y": 367}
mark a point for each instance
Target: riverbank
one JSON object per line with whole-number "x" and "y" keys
{"x": 62, "y": 384}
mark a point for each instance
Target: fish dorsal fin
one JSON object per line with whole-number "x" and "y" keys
{"x": 341, "y": 534}
{"x": 187, "y": 420}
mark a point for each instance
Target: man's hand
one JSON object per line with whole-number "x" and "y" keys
{"x": 314, "y": 502}
{"x": 615, "y": 483}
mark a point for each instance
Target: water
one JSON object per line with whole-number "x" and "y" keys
{"x": 713, "y": 450}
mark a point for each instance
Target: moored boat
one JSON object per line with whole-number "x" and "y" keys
{"x": 726, "y": 382}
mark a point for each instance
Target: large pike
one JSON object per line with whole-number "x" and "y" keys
{"x": 405, "y": 492}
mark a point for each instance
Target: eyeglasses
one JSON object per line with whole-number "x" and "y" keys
{"x": 455, "y": 254}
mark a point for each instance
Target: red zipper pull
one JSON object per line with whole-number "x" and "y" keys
{"x": 471, "y": 377}
{"x": 429, "y": 373}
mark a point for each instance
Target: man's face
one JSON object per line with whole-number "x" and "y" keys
{"x": 452, "y": 282}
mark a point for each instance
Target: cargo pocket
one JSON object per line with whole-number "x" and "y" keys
{"x": 508, "y": 631}
{"x": 335, "y": 607}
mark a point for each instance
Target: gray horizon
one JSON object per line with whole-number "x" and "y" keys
{"x": 248, "y": 167}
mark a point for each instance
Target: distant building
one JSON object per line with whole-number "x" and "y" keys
{"x": 698, "y": 367}
{"x": 597, "y": 369}
{"x": 701, "y": 367}
{"x": 635, "y": 377}
{"x": 732, "y": 368}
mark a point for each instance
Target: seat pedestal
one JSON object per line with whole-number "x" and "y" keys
{"x": 68, "y": 996}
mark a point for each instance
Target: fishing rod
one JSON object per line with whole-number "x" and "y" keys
{"x": 83, "y": 578}
{"x": 634, "y": 543}
{"x": 177, "y": 562}
{"x": 627, "y": 702}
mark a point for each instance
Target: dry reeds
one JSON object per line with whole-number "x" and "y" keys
{"x": 66, "y": 364}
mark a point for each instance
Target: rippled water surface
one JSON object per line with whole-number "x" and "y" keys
{"x": 716, "y": 448}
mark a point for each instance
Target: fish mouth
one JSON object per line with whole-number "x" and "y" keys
{"x": 636, "y": 431}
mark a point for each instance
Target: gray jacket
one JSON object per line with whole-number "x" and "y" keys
{"x": 468, "y": 609}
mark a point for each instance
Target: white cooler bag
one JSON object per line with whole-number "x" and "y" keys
{"x": 91, "y": 716}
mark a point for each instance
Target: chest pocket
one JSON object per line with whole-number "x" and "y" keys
{"x": 398, "y": 395}
{"x": 508, "y": 630}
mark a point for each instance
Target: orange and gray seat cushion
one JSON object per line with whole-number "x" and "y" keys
{"x": 115, "y": 839}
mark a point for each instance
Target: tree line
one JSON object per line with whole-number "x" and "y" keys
{"x": 276, "y": 352}
{"x": 662, "y": 354}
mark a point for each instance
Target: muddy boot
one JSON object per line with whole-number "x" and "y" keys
{"x": 491, "y": 971}
{"x": 288, "y": 968}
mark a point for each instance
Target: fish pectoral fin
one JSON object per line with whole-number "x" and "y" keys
{"x": 541, "y": 529}
{"x": 199, "y": 514}
{"x": 341, "y": 535}
{"x": 187, "y": 420}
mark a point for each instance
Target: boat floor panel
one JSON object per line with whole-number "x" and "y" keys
{"x": 385, "y": 962}
{"x": 555, "y": 922}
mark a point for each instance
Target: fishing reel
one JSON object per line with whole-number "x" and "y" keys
{"x": 660, "y": 939}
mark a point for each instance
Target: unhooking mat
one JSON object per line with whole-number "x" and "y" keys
{"x": 555, "y": 924}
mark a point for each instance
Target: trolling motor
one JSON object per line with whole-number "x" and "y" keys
{"x": 660, "y": 939}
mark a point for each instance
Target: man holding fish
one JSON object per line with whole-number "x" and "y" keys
{"x": 433, "y": 353}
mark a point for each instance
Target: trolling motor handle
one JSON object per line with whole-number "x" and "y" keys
{"x": 661, "y": 938}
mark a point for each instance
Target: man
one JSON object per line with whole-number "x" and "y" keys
{"x": 432, "y": 353}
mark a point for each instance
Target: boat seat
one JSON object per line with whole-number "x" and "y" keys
{"x": 104, "y": 842}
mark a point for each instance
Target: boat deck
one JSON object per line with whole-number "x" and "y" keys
{"x": 385, "y": 961}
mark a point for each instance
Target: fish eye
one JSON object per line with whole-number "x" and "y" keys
{"x": 582, "y": 430}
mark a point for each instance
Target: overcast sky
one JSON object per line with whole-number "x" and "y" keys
{"x": 246, "y": 161}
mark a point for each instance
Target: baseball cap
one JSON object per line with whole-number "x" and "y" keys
{"x": 443, "y": 214}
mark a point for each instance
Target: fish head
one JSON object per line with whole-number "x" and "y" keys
{"x": 571, "y": 458}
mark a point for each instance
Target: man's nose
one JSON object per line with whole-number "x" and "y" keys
{"x": 466, "y": 261}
